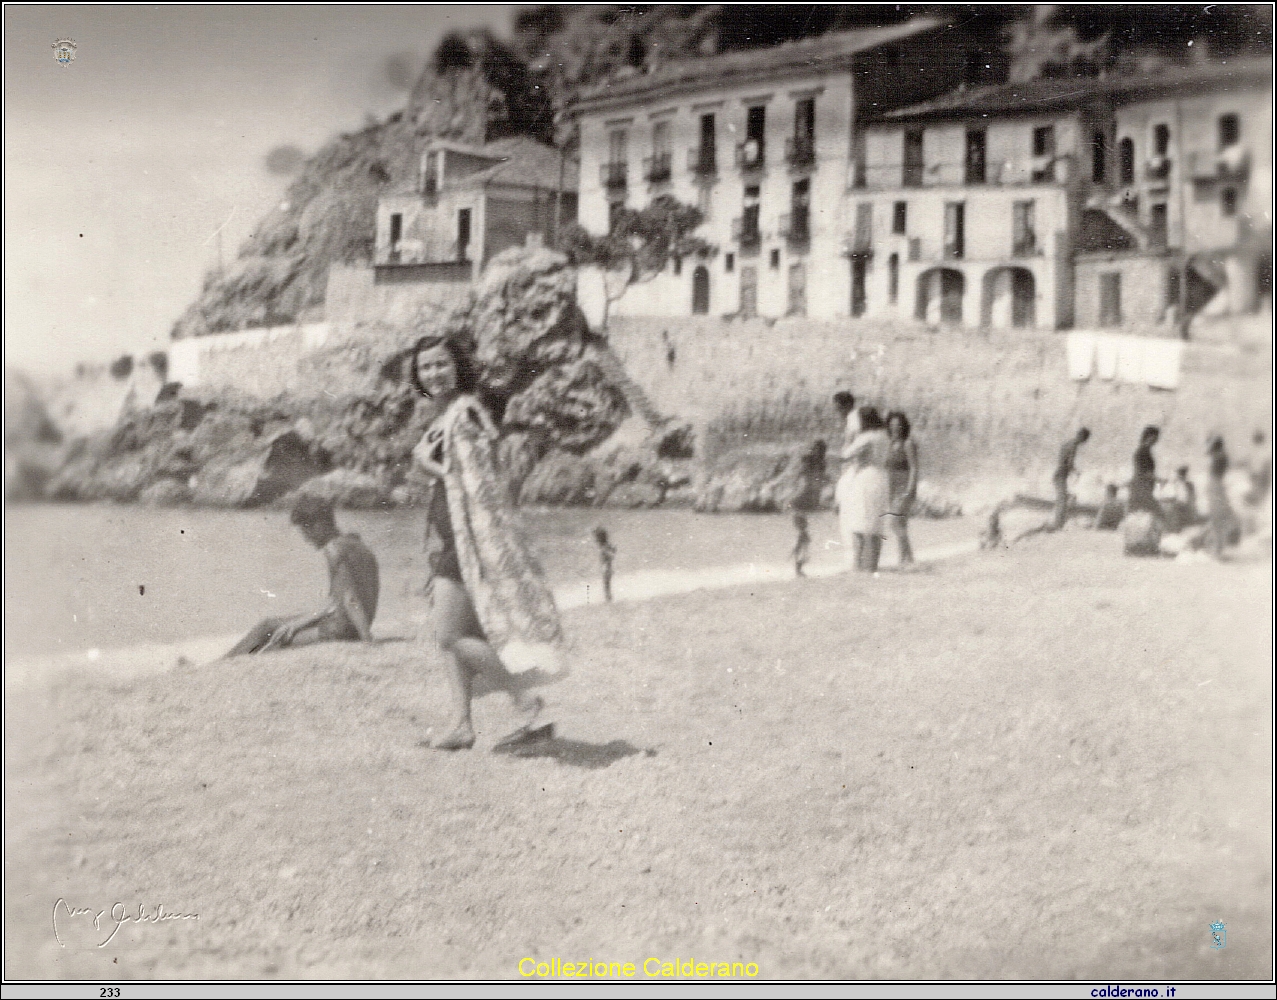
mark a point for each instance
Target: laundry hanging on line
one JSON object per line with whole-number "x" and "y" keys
{"x": 1152, "y": 361}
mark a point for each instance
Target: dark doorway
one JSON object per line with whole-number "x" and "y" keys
{"x": 858, "y": 286}
{"x": 700, "y": 290}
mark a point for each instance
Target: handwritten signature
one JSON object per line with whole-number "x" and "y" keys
{"x": 118, "y": 916}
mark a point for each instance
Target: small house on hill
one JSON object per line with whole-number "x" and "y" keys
{"x": 467, "y": 204}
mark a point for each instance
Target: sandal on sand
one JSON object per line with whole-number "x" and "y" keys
{"x": 461, "y": 738}
{"x": 524, "y": 737}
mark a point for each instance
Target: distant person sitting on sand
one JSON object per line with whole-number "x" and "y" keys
{"x": 1064, "y": 468}
{"x": 1111, "y": 511}
{"x": 607, "y": 553}
{"x": 352, "y": 588}
{"x": 802, "y": 547}
{"x": 1144, "y": 476}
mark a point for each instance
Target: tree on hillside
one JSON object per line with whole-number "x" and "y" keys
{"x": 640, "y": 244}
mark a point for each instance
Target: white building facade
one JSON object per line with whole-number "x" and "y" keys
{"x": 763, "y": 143}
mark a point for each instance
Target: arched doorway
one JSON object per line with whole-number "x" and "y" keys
{"x": 1008, "y": 298}
{"x": 700, "y": 290}
{"x": 940, "y": 292}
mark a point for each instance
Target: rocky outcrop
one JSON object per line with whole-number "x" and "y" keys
{"x": 751, "y": 482}
{"x": 282, "y": 464}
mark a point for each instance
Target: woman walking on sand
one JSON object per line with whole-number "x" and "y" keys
{"x": 494, "y": 617}
{"x": 864, "y": 497}
{"x": 902, "y": 479}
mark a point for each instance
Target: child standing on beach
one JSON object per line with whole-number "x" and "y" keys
{"x": 802, "y": 547}
{"x": 607, "y": 552}
{"x": 352, "y": 588}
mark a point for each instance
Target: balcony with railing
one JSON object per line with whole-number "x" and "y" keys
{"x": 656, "y": 168}
{"x": 795, "y": 228}
{"x": 1024, "y": 172}
{"x": 746, "y": 232}
{"x": 701, "y": 161}
{"x": 613, "y": 175}
{"x": 750, "y": 155}
{"x": 1231, "y": 164}
{"x": 800, "y": 151}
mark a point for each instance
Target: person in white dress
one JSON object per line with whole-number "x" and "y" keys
{"x": 863, "y": 494}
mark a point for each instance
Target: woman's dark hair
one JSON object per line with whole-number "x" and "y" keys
{"x": 844, "y": 401}
{"x": 870, "y": 420}
{"x": 1150, "y": 431}
{"x": 467, "y": 377}
{"x": 600, "y": 536}
{"x": 905, "y": 426}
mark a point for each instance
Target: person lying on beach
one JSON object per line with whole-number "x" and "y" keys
{"x": 352, "y": 589}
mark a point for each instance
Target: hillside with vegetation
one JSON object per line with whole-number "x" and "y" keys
{"x": 476, "y": 87}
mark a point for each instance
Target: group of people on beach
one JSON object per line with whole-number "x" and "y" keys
{"x": 879, "y": 482}
{"x": 1176, "y": 510}
{"x": 493, "y": 616}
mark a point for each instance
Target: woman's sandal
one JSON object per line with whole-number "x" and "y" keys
{"x": 461, "y": 738}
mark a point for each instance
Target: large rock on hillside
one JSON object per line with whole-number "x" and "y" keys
{"x": 753, "y": 482}
{"x": 573, "y": 404}
{"x": 523, "y": 318}
{"x": 283, "y": 464}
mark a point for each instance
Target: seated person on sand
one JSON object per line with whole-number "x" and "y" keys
{"x": 1111, "y": 511}
{"x": 352, "y": 588}
{"x": 1180, "y": 508}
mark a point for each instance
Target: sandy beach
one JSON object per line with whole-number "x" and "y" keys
{"x": 1048, "y": 762}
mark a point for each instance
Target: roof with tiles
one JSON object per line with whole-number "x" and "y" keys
{"x": 829, "y": 51}
{"x": 1040, "y": 96}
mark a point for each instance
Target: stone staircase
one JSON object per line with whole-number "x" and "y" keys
{"x": 639, "y": 402}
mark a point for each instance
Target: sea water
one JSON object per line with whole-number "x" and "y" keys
{"x": 104, "y": 576}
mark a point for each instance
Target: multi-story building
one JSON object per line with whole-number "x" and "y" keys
{"x": 1111, "y": 202}
{"x": 467, "y": 204}
{"x": 762, "y": 142}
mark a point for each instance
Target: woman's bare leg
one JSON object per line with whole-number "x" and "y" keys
{"x": 902, "y": 539}
{"x": 468, "y": 655}
{"x": 873, "y": 550}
